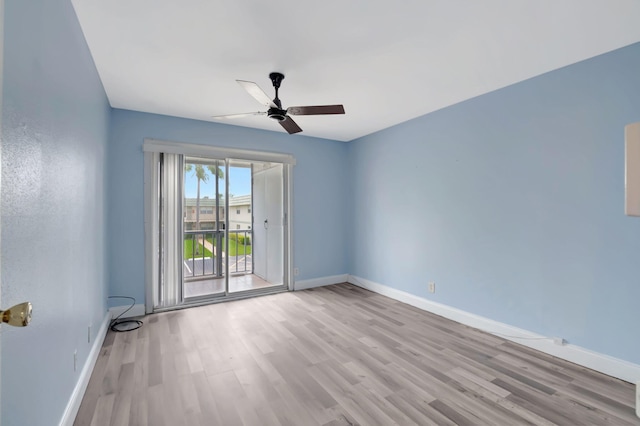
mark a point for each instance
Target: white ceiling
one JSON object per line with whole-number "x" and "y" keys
{"x": 386, "y": 62}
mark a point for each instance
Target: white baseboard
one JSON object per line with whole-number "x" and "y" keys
{"x": 319, "y": 282}
{"x": 73, "y": 405}
{"x": 136, "y": 311}
{"x": 606, "y": 364}
{"x": 638, "y": 398}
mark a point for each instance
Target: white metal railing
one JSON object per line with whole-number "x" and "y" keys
{"x": 205, "y": 252}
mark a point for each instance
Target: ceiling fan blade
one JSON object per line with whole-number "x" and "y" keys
{"x": 230, "y": 116}
{"x": 290, "y": 126}
{"x": 316, "y": 110}
{"x": 255, "y": 91}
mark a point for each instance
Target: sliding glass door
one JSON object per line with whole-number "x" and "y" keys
{"x": 221, "y": 229}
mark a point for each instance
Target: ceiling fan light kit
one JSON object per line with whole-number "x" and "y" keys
{"x": 275, "y": 111}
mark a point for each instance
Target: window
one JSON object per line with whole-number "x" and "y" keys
{"x": 237, "y": 226}
{"x": 206, "y": 211}
{"x": 238, "y": 211}
{"x": 249, "y": 210}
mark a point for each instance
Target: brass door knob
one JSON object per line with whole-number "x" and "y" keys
{"x": 18, "y": 315}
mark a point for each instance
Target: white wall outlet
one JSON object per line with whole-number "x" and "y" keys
{"x": 432, "y": 287}
{"x": 75, "y": 360}
{"x": 559, "y": 341}
{"x": 296, "y": 271}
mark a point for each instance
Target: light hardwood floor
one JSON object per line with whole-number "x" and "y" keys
{"x": 336, "y": 355}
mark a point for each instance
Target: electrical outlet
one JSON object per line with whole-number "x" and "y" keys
{"x": 75, "y": 360}
{"x": 89, "y": 334}
{"x": 432, "y": 287}
{"x": 296, "y": 271}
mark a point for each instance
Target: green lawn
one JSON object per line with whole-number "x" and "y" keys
{"x": 234, "y": 248}
{"x": 189, "y": 247}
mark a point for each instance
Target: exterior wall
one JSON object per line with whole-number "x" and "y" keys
{"x": 240, "y": 212}
{"x": 207, "y": 213}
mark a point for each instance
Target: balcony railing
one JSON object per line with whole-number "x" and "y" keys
{"x": 240, "y": 250}
{"x": 205, "y": 252}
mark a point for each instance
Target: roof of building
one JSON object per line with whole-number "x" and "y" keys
{"x": 204, "y": 202}
{"x": 238, "y": 200}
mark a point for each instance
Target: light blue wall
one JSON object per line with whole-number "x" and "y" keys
{"x": 319, "y": 217}
{"x": 513, "y": 203}
{"x": 55, "y": 134}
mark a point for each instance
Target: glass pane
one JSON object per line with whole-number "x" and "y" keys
{"x": 203, "y": 227}
{"x": 240, "y": 219}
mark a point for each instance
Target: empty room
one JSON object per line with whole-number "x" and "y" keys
{"x": 319, "y": 213}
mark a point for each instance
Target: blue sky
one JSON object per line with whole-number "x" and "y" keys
{"x": 239, "y": 183}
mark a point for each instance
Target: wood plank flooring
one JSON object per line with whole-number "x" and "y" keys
{"x": 336, "y": 355}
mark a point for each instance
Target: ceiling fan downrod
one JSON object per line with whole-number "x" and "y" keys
{"x": 278, "y": 113}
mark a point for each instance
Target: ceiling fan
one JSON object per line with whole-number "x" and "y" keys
{"x": 276, "y": 112}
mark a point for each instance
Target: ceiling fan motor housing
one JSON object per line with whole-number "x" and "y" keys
{"x": 277, "y": 114}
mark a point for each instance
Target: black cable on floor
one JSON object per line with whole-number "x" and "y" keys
{"x": 126, "y": 324}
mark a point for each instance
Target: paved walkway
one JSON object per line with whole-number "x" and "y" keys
{"x": 209, "y": 246}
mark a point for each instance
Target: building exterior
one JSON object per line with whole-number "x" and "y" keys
{"x": 207, "y": 213}
{"x": 239, "y": 213}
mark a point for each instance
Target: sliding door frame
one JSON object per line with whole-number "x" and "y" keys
{"x": 152, "y": 148}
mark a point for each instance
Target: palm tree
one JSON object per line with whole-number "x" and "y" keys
{"x": 202, "y": 174}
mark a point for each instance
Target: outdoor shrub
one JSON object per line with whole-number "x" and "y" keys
{"x": 240, "y": 238}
